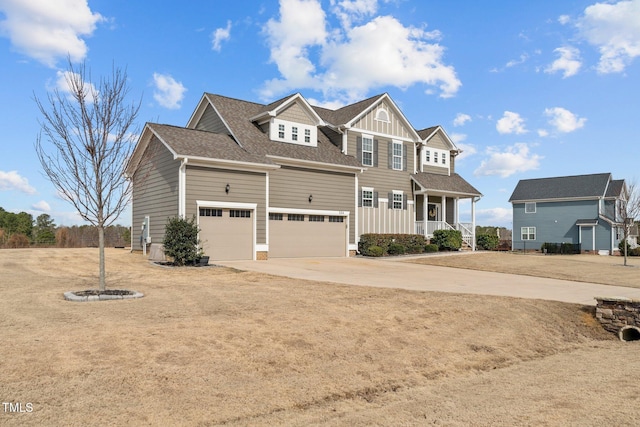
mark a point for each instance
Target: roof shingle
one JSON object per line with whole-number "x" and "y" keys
{"x": 562, "y": 187}
{"x": 446, "y": 183}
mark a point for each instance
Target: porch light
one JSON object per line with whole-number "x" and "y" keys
{"x": 227, "y": 188}
{"x": 310, "y": 197}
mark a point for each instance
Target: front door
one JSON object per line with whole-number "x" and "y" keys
{"x": 433, "y": 212}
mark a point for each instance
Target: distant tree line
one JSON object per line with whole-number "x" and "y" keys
{"x": 20, "y": 230}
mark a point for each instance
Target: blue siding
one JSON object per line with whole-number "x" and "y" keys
{"x": 555, "y": 222}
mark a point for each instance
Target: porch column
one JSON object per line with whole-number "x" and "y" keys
{"x": 456, "y": 211}
{"x": 473, "y": 223}
{"x": 444, "y": 208}
{"x": 425, "y": 204}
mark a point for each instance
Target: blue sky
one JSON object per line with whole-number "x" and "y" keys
{"x": 526, "y": 89}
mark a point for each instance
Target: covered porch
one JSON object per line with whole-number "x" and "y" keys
{"x": 437, "y": 198}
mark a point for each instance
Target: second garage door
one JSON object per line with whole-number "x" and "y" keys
{"x": 298, "y": 235}
{"x": 226, "y": 234}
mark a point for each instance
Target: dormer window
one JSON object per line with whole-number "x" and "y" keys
{"x": 444, "y": 158}
{"x": 382, "y": 115}
{"x": 293, "y": 133}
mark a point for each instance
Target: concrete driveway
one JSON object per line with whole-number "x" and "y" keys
{"x": 390, "y": 273}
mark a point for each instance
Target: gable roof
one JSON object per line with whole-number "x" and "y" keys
{"x": 428, "y": 133}
{"x": 237, "y": 115}
{"x": 615, "y": 188}
{"x": 453, "y": 183}
{"x": 563, "y": 187}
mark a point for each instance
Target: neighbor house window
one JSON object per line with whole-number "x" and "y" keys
{"x": 236, "y": 213}
{"x": 281, "y": 131}
{"x": 316, "y": 218}
{"x": 530, "y": 207}
{"x": 397, "y": 155}
{"x": 294, "y": 133}
{"x": 397, "y": 200}
{"x": 307, "y": 135}
{"x": 367, "y": 151}
{"x": 367, "y": 198}
{"x": 528, "y": 233}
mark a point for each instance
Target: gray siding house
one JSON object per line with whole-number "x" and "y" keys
{"x": 582, "y": 209}
{"x": 290, "y": 179}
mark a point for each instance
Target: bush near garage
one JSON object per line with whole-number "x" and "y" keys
{"x": 431, "y": 248}
{"x": 488, "y": 242}
{"x": 447, "y": 240}
{"x": 181, "y": 241}
{"x": 411, "y": 243}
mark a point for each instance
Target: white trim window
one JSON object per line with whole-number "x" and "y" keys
{"x": 444, "y": 159}
{"x": 307, "y": 135}
{"x": 293, "y": 133}
{"x": 398, "y": 197}
{"x": 367, "y": 150}
{"x": 397, "y": 156}
{"x": 528, "y": 233}
{"x": 427, "y": 156}
{"x": 367, "y": 197}
{"x": 530, "y": 207}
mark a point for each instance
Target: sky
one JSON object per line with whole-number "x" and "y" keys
{"x": 526, "y": 89}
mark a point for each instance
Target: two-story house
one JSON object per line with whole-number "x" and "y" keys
{"x": 582, "y": 209}
{"x": 290, "y": 179}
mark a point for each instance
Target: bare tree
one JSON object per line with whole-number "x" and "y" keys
{"x": 629, "y": 211}
{"x": 90, "y": 135}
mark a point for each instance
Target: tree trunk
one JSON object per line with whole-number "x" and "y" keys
{"x": 101, "y": 246}
{"x": 625, "y": 248}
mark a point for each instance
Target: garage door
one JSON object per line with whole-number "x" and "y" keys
{"x": 297, "y": 235}
{"x": 226, "y": 234}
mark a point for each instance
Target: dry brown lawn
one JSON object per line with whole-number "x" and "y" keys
{"x": 214, "y": 346}
{"x": 606, "y": 270}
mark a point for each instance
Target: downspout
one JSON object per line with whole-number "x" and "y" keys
{"x": 182, "y": 188}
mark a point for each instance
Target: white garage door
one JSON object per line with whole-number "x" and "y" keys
{"x": 297, "y": 235}
{"x": 226, "y": 234}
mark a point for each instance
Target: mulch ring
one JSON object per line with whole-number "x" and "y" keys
{"x": 98, "y": 295}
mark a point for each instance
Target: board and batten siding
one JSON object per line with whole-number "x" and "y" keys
{"x": 385, "y": 220}
{"x": 394, "y": 127}
{"x": 211, "y": 122}
{"x": 295, "y": 113}
{"x": 208, "y": 184}
{"x": 290, "y": 187}
{"x": 382, "y": 178}
{"x": 155, "y": 193}
{"x": 555, "y": 222}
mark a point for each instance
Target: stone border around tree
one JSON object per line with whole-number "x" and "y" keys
{"x": 71, "y": 296}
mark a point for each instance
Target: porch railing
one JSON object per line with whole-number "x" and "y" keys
{"x": 431, "y": 226}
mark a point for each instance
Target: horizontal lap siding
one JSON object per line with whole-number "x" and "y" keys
{"x": 211, "y": 122}
{"x": 295, "y": 113}
{"x": 291, "y": 187}
{"x": 155, "y": 193}
{"x": 554, "y": 221}
{"x": 437, "y": 142}
{"x": 209, "y": 184}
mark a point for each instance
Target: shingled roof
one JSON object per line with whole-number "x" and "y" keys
{"x": 253, "y": 139}
{"x": 445, "y": 183}
{"x": 562, "y": 187}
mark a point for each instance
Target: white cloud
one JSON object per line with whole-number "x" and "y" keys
{"x": 511, "y": 123}
{"x": 461, "y": 119}
{"x": 466, "y": 149}
{"x": 568, "y": 62}
{"x": 516, "y": 158}
{"x": 496, "y": 217}
{"x": 168, "y": 92}
{"x": 311, "y": 54}
{"x": 13, "y": 181}
{"x": 63, "y": 78}
{"x": 41, "y": 206}
{"x": 564, "y": 120}
{"x": 564, "y": 19}
{"x": 220, "y": 35}
{"x": 615, "y": 30}
{"x": 523, "y": 58}
{"x": 46, "y": 30}
{"x": 543, "y": 133}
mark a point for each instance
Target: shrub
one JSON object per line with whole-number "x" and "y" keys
{"x": 181, "y": 240}
{"x": 488, "y": 242}
{"x": 431, "y": 248}
{"x": 413, "y": 243}
{"x": 18, "y": 240}
{"x": 396, "y": 249}
{"x": 447, "y": 240}
{"x": 374, "y": 251}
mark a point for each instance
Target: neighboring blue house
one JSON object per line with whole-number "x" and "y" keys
{"x": 581, "y": 209}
